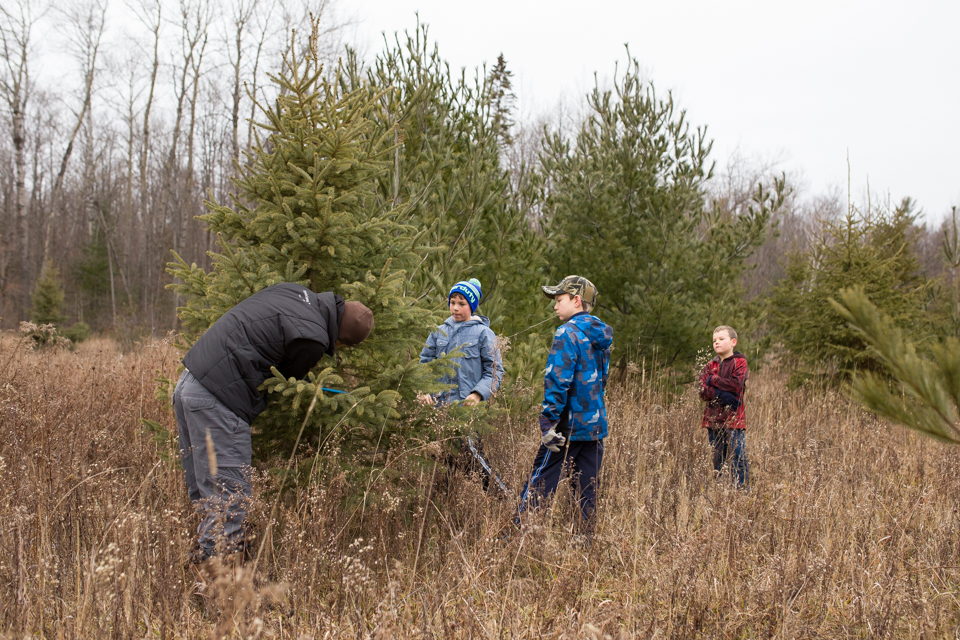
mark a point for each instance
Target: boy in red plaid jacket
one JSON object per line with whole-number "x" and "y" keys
{"x": 722, "y": 383}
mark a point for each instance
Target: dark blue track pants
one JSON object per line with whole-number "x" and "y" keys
{"x": 581, "y": 460}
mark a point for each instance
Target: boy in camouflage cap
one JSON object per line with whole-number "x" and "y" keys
{"x": 573, "y": 422}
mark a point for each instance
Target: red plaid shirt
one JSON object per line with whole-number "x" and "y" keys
{"x": 729, "y": 375}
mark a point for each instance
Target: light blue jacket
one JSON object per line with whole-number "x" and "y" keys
{"x": 480, "y": 368}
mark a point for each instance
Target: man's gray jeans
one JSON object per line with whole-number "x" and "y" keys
{"x": 220, "y": 498}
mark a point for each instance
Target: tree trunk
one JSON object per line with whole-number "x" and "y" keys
{"x": 90, "y": 42}
{"x": 254, "y": 75}
{"x": 189, "y": 186}
{"x": 15, "y": 32}
{"x": 147, "y": 221}
{"x": 21, "y": 205}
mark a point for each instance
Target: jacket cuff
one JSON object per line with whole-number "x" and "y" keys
{"x": 546, "y": 424}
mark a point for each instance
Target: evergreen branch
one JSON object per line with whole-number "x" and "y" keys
{"x": 932, "y": 410}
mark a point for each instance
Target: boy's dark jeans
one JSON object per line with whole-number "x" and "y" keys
{"x": 729, "y": 446}
{"x": 582, "y": 460}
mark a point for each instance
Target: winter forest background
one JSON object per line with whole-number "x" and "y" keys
{"x": 387, "y": 176}
{"x": 116, "y": 130}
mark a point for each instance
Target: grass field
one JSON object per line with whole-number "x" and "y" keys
{"x": 851, "y": 528}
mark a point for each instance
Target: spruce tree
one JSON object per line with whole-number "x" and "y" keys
{"x": 90, "y": 274}
{"x": 307, "y": 210}
{"x": 448, "y": 175}
{"x": 874, "y": 251}
{"x": 625, "y": 206}
{"x": 47, "y": 297}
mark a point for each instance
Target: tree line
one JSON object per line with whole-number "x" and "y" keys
{"x": 118, "y": 120}
{"x": 140, "y": 150}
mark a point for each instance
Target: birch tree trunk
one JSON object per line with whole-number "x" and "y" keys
{"x": 87, "y": 25}
{"x": 150, "y": 13}
{"x": 15, "y": 31}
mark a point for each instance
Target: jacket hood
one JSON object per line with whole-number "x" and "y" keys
{"x": 474, "y": 320}
{"x": 597, "y": 331}
{"x": 736, "y": 356}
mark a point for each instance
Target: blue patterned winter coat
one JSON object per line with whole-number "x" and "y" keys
{"x": 480, "y": 368}
{"x": 576, "y": 378}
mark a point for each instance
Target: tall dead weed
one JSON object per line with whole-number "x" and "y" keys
{"x": 851, "y": 527}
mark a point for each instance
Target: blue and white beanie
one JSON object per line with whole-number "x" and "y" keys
{"x": 470, "y": 290}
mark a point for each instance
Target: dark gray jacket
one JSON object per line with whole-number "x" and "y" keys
{"x": 286, "y": 326}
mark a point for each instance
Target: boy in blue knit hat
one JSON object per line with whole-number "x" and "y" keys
{"x": 479, "y": 369}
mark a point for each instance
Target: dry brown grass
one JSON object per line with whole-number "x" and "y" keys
{"x": 850, "y": 529}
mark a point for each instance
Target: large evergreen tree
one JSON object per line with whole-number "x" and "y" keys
{"x": 307, "y": 209}
{"x": 874, "y": 251}
{"x": 500, "y": 96}
{"x": 447, "y": 175}
{"x": 625, "y": 206}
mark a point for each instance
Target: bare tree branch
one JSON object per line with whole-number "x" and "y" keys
{"x": 86, "y": 24}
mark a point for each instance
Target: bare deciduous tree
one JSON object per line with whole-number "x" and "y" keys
{"x": 242, "y": 12}
{"x": 106, "y": 153}
{"x": 150, "y": 14}
{"x": 265, "y": 31}
{"x": 85, "y": 23}
{"x": 16, "y": 30}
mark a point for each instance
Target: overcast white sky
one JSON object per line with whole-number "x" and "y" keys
{"x": 802, "y": 81}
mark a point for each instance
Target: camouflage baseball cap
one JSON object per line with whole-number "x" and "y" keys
{"x": 575, "y": 286}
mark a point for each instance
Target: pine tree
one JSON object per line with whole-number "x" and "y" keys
{"x": 499, "y": 90}
{"x": 47, "y": 297}
{"x": 307, "y": 210}
{"x": 625, "y": 206}
{"x": 950, "y": 255}
{"x": 447, "y": 173}
{"x": 874, "y": 251}
{"x": 916, "y": 392}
